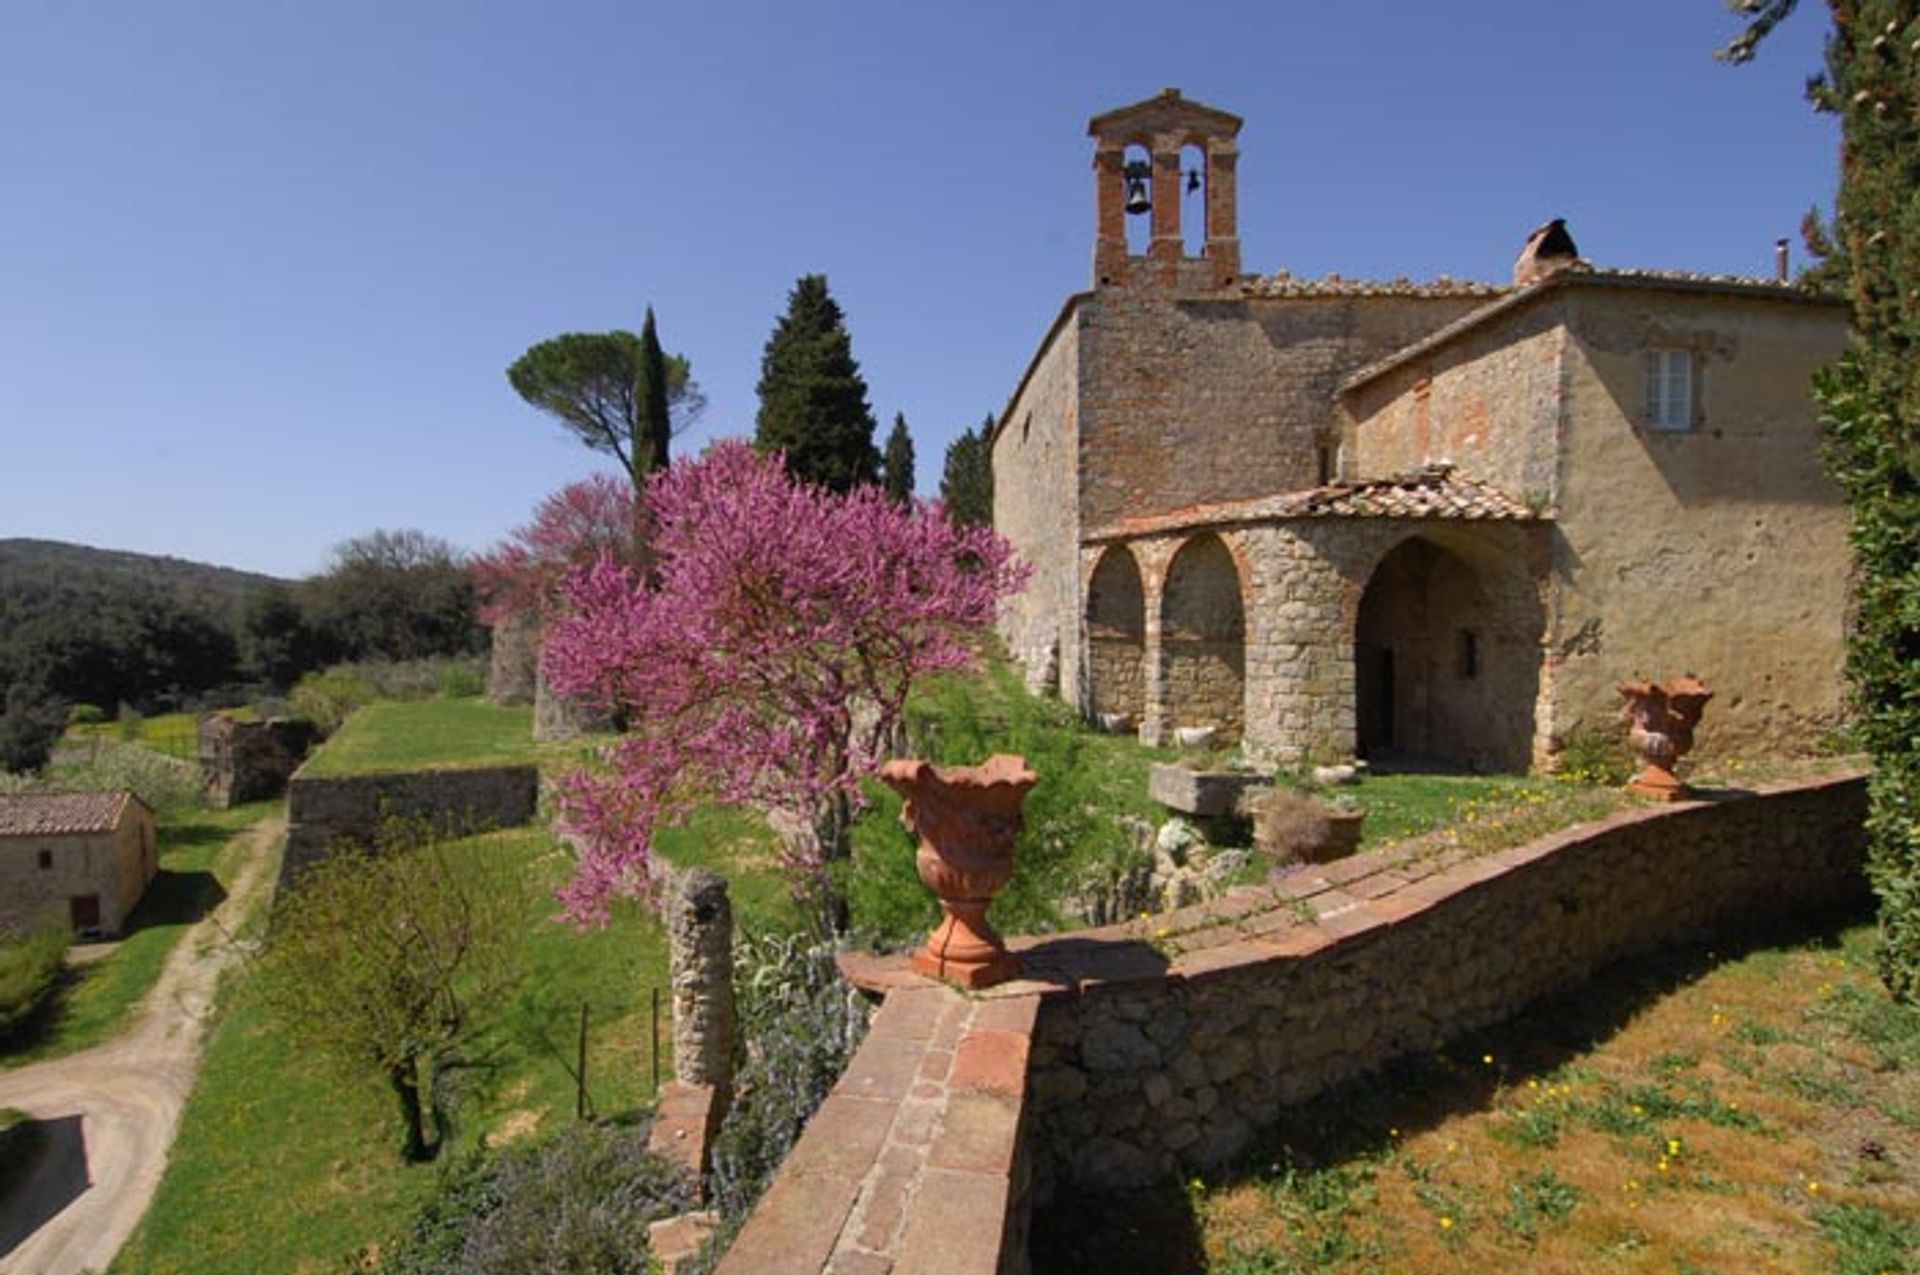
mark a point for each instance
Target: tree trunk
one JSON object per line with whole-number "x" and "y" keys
{"x": 406, "y": 1090}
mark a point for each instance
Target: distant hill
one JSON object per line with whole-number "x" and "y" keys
{"x": 200, "y": 585}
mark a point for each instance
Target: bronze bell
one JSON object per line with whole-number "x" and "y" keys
{"x": 1137, "y": 174}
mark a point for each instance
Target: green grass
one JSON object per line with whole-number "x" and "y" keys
{"x": 200, "y": 853}
{"x": 285, "y": 1164}
{"x": 418, "y": 734}
{"x": 175, "y": 734}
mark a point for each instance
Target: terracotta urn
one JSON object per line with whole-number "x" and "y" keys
{"x": 1661, "y": 717}
{"x": 965, "y": 819}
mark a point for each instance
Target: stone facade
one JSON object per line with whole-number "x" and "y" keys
{"x": 1174, "y": 397}
{"x": 78, "y": 859}
{"x": 324, "y": 812}
{"x": 242, "y": 761}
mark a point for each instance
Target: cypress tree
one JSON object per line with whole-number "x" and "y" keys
{"x": 966, "y": 481}
{"x": 813, "y": 402}
{"x": 653, "y": 430}
{"x": 1870, "y": 403}
{"x": 897, "y": 464}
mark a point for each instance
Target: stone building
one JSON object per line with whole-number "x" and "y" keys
{"x": 82, "y": 858}
{"x": 1444, "y": 519}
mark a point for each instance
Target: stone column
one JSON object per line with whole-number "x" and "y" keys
{"x": 1223, "y": 232}
{"x": 700, "y": 965}
{"x": 1110, "y": 217}
{"x": 1166, "y": 248}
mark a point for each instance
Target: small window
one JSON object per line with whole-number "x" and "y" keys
{"x": 1670, "y": 389}
{"x": 46, "y": 860}
{"x": 1469, "y": 654}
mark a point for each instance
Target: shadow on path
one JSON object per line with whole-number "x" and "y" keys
{"x": 59, "y": 1177}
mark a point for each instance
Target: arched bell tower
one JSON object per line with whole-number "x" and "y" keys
{"x": 1163, "y": 126}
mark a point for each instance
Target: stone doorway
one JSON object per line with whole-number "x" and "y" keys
{"x": 1446, "y": 661}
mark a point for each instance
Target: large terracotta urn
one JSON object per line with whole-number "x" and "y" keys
{"x": 965, "y": 819}
{"x": 1661, "y": 717}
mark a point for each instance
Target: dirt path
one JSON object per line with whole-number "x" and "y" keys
{"x": 123, "y": 1098}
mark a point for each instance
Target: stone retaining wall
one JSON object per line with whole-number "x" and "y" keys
{"x": 1163, "y": 1045}
{"x": 322, "y": 811}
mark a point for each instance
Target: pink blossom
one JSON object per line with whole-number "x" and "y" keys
{"x": 765, "y": 657}
{"x": 575, "y": 525}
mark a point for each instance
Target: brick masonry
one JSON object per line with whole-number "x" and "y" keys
{"x": 1128, "y": 1053}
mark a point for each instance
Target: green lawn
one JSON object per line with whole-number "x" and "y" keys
{"x": 175, "y": 734}
{"x": 416, "y": 734}
{"x": 200, "y": 853}
{"x": 285, "y": 1164}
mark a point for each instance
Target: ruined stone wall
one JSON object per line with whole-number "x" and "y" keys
{"x": 1489, "y": 403}
{"x": 242, "y": 761}
{"x": 1719, "y": 551}
{"x": 322, "y": 812}
{"x": 1132, "y": 1079}
{"x": 1203, "y": 640}
{"x": 1116, "y": 637}
{"x": 514, "y": 658}
{"x": 1196, "y": 401}
{"x": 1033, "y": 483}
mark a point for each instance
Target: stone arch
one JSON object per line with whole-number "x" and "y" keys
{"x": 1203, "y": 644}
{"x": 1117, "y": 637}
{"x": 1446, "y": 652}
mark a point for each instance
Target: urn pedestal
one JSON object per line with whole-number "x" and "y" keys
{"x": 965, "y": 819}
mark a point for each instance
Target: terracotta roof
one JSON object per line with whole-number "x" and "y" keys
{"x": 1582, "y": 274}
{"x": 1283, "y": 284}
{"x": 48, "y": 814}
{"x": 1438, "y": 491}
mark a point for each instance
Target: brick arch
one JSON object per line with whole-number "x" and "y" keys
{"x": 1203, "y": 651}
{"x": 1446, "y": 653}
{"x": 1117, "y": 636}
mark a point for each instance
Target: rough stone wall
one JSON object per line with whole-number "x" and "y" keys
{"x": 1116, "y": 636}
{"x": 1490, "y": 403}
{"x": 1034, "y": 454}
{"x": 1720, "y": 551}
{"x": 243, "y": 761}
{"x": 514, "y": 659}
{"x": 700, "y": 965}
{"x": 1203, "y": 640}
{"x": 1195, "y": 401}
{"x": 1131, "y": 1080}
{"x": 322, "y": 812}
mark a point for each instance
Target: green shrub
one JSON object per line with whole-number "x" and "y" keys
{"x": 29, "y": 974}
{"x": 328, "y": 699}
{"x": 799, "y": 1025}
{"x": 86, "y": 715}
{"x": 579, "y": 1202}
{"x": 103, "y": 765}
{"x": 459, "y": 679}
{"x": 1596, "y": 756}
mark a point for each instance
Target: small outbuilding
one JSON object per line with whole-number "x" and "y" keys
{"x": 81, "y": 857}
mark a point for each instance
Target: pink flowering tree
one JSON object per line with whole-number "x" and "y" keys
{"x": 576, "y": 525}
{"x": 764, "y": 657}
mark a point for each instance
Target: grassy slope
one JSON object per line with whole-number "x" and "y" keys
{"x": 412, "y": 734}
{"x": 199, "y": 856}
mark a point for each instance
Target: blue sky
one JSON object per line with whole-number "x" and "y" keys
{"x": 263, "y": 263}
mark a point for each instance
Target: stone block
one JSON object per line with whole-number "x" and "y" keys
{"x": 1205, "y": 793}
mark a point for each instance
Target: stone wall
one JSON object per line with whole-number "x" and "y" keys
{"x": 242, "y": 761}
{"x": 1034, "y": 450}
{"x": 1135, "y": 1078}
{"x": 514, "y": 659}
{"x": 1113, "y": 1061}
{"x": 324, "y": 811}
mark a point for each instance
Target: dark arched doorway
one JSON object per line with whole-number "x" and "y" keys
{"x": 1203, "y": 639}
{"x": 1446, "y": 668}
{"x": 1116, "y": 637}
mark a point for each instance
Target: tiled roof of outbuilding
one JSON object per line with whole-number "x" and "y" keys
{"x": 52, "y": 814}
{"x": 1438, "y": 491}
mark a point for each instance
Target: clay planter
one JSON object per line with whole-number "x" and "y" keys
{"x": 965, "y": 818}
{"x": 1661, "y": 717}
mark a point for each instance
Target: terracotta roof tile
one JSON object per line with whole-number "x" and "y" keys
{"x": 1438, "y": 491}
{"x": 1282, "y": 283}
{"x": 45, "y": 814}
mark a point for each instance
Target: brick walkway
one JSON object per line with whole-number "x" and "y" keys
{"x": 912, "y": 1165}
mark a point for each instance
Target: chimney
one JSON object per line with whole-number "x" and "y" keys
{"x": 1548, "y": 250}
{"x": 1780, "y": 260}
